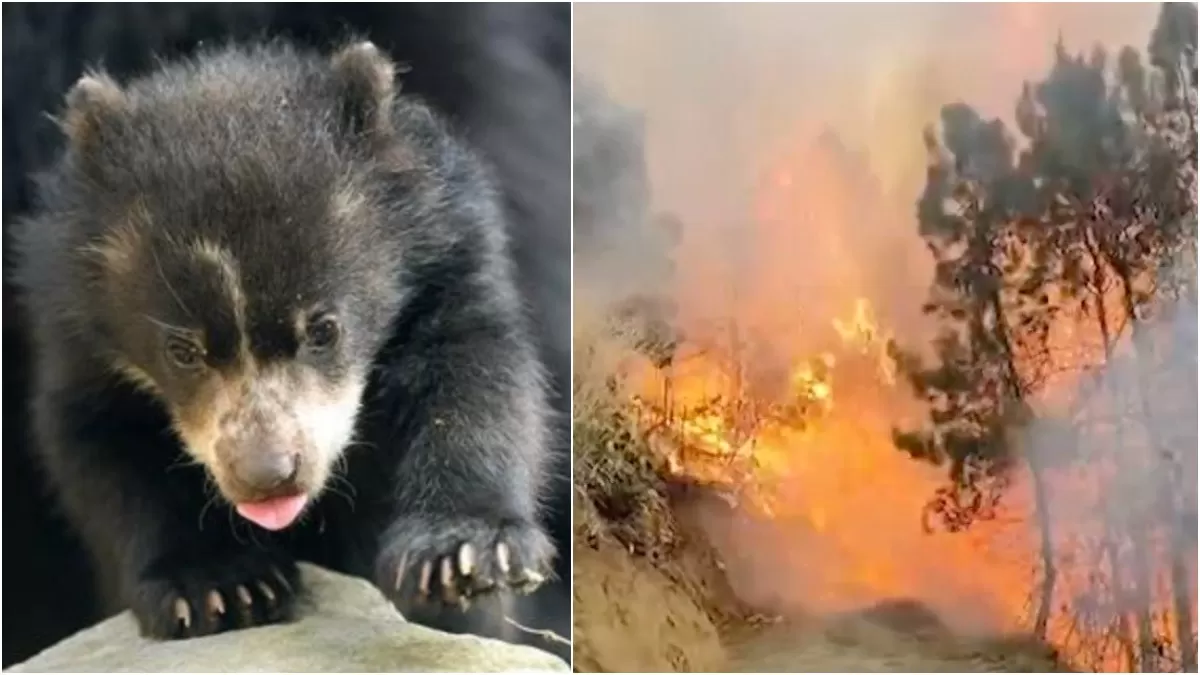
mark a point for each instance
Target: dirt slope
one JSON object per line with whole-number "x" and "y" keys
{"x": 899, "y": 636}
{"x": 639, "y": 613}
{"x": 630, "y": 617}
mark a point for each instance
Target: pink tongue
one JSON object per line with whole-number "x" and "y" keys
{"x": 273, "y": 514}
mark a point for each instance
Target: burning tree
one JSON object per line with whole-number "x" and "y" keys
{"x": 988, "y": 297}
{"x": 1087, "y": 231}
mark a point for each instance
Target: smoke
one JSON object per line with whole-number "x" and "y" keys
{"x": 1134, "y": 431}
{"x": 821, "y": 106}
{"x": 615, "y": 252}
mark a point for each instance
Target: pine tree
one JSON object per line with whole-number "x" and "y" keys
{"x": 1115, "y": 157}
{"x": 987, "y": 297}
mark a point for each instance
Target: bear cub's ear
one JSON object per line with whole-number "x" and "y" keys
{"x": 367, "y": 78}
{"x": 91, "y": 103}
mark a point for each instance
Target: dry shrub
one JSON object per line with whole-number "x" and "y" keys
{"x": 631, "y": 615}
{"x": 617, "y": 477}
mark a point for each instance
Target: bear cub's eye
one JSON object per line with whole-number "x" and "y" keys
{"x": 323, "y": 332}
{"x": 184, "y": 353}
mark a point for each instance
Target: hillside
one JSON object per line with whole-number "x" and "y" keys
{"x": 652, "y": 595}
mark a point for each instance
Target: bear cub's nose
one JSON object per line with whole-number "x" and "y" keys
{"x": 269, "y": 470}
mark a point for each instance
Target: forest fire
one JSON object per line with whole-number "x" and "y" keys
{"x": 790, "y": 399}
{"x": 964, "y": 377}
{"x": 830, "y": 471}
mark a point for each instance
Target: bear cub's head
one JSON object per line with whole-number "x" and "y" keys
{"x": 235, "y": 219}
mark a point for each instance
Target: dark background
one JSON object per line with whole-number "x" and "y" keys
{"x": 500, "y": 71}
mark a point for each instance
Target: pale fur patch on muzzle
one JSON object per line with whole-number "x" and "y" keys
{"x": 290, "y": 407}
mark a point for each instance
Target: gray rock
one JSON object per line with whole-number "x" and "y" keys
{"x": 345, "y": 625}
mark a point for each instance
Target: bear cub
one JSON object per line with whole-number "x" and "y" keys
{"x": 276, "y": 319}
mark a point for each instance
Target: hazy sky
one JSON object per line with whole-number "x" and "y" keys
{"x": 723, "y": 83}
{"x": 735, "y": 95}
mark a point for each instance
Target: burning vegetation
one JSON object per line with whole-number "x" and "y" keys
{"x": 1014, "y": 447}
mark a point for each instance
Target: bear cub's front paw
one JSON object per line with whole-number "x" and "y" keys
{"x": 183, "y": 597}
{"x": 451, "y": 560}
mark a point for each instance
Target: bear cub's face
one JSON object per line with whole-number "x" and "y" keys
{"x": 235, "y": 256}
{"x": 267, "y": 402}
